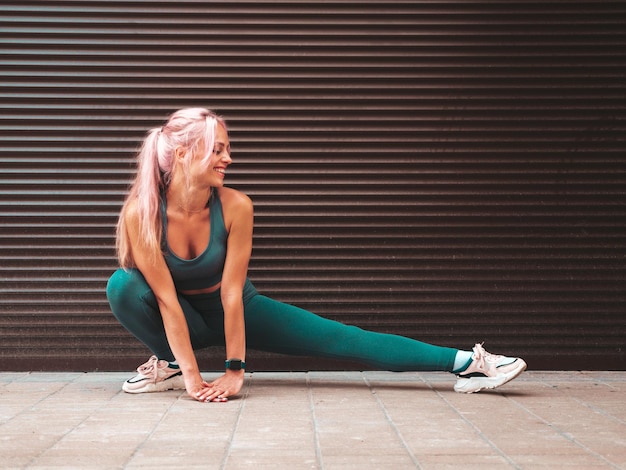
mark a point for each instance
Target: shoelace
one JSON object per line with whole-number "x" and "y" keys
{"x": 149, "y": 369}
{"x": 480, "y": 355}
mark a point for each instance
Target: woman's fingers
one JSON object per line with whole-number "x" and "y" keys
{"x": 211, "y": 394}
{"x": 219, "y": 399}
{"x": 217, "y": 396}
{"x": 219, "y": 390}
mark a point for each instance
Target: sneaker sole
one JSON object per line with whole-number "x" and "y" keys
{"x": 176, "y": 382}
{"x": 476, "y": 384}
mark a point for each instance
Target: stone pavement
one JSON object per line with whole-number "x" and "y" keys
{"x": 316, "y": 420}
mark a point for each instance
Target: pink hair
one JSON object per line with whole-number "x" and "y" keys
{"x": 191, "y": 129}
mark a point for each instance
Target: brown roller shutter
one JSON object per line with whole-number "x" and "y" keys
{"x": 451, "y": 171}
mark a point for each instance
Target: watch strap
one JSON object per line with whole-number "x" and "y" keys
{"x": 234, "y": 364}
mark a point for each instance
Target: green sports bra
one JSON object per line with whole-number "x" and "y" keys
{"x": 206, "y": 269}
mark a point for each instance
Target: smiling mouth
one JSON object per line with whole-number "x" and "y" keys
{"x": 221, "y": 171}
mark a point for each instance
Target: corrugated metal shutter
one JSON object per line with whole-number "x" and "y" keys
{"x": 451, "y": 171}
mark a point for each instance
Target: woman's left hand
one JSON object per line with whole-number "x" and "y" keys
{"x": 220, "y": 389}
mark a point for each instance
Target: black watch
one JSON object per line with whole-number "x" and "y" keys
{"x": 235, "y": 364}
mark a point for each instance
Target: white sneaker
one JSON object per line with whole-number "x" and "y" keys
{"x": 488, "y": 371}
{"x": 155, "y": 376}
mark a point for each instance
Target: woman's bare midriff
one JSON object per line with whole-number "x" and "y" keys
{"x": 206, "y": 290}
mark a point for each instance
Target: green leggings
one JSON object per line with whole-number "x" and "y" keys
{"x": 270, "y": 326}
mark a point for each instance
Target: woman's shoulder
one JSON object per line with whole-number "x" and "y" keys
{"x": 234, "y": 199}
{"x": 236, "y": 207}
{"x": 130, "y": 211}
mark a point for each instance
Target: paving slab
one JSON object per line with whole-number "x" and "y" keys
{"x": 316, "y": 420}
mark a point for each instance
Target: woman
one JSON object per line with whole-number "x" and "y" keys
{"x": 184, "y": 241}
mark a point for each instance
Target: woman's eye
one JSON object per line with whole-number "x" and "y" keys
{"x": 220, "y": 150}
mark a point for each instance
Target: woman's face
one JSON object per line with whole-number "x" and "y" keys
{"x": 214, "y": 172}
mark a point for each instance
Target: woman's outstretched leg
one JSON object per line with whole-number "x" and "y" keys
{"x": 283, "y": 328}
{"x": 278, "y": 327}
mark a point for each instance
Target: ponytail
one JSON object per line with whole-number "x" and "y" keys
{"x": 145, "y": 194}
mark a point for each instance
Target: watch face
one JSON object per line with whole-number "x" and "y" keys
{"x": 234, "y": 364}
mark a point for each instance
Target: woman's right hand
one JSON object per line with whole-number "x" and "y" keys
{"x": 195, "y": 386}
{"x": 200, "y": 390}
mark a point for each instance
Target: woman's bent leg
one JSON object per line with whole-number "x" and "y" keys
{"x": 283, "y": 328}
{"x": 134, "y": 305}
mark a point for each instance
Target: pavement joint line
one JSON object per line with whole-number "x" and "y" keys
{"x": 32, "y": 405}
{"x": 316, "y": 437}
{"x": 391, "y": 423}
{"x": 154, "y": 428}
{"x": 62, "y": 436}
{"x": 567, "y": 436}
{"x": 231, "y": 438}
{"x": 600, "y": 411}
{"x": 480, "y": 434}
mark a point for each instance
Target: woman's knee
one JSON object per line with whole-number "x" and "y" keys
{"x": 125, "y": 285}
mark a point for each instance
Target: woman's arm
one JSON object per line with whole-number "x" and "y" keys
{"x": 238, "y": 217}
{"x": 160, "y": 280}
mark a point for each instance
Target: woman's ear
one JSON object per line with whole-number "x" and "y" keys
{"x": 180, "y": 152}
